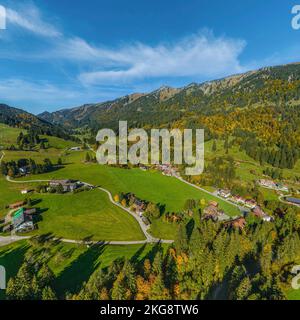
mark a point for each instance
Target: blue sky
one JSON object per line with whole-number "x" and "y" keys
{"x": 61, "y": 53}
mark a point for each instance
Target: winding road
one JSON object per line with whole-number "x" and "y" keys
{"x": 241, "y": 208}
{"x": 143, "y": 226}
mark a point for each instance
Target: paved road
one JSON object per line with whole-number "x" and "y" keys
{"x": 241, "y": 208}
{"x": 144, "y": 227}
{"x": 10, "y": 239}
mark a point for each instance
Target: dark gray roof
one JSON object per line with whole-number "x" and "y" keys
{"x": 294, "y": 200}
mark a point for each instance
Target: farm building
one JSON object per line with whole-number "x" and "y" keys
{"x": 293, "y": 200}
{"x": 68, "y": 185}
{"x": 212, "y": 212}
{"x": 259, "y": 213}
{"x": 267, "y": 183}
{"x": 22, "y": 222}
{"x": 139, "y": 206}
{"x": 30, "y": 211}
{"x": 224, "y": 193}
{"x": 239, "y": 199}
{"x": 238, "y": 223}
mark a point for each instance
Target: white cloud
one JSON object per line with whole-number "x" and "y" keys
{"x": 29, "y": 18}
{"x": 201, "y": 55}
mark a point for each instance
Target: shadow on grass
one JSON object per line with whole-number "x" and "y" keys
{"x": 190, "y": 227}
{"x": 12, "y": 260}
{"x": 152, "y": 253}
{"x": 72, "y": 278}
{"x": 136, "y": 257}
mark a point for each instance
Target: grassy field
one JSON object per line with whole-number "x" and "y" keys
{"x": 57, "y": 148}
{"x": 86, "y": 214}
{"x": 9, "y": 193}
{"x": 152, "y": 186}
{"x": 58, "y": 143}
{"x": 75, "y": 216}
{"x": 248, "y": 170}
{"x": 293, "y": 294}
{"x": 8, "y": 135}
{"x": 168, "y": 192}
{"x": 73, "y": 264}
{"x": 38, "y": 156}
{"x": 149, "y": 185}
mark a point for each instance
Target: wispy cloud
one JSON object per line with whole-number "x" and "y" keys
{"x": 30, "y": 18}
{"x": 201, "y": 55}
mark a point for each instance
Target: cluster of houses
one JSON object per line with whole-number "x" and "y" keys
{"x": 292, "y": 200}
{"x": 167, "y": 170}
{"x": 226, "y": 194}
{"x": 174, "y": 217}
{"x": 273, "y": 185}
{"x": 69, "y": 185}
{"x": 259, "y": 213}
{"x": 22, "y": 218}
{"x": 213, "y": 212}
{"x": 237, "y": 223}
{"x": 138, "y": 206}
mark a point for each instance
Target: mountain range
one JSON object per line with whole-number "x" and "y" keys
{"x": 169, "y": 105}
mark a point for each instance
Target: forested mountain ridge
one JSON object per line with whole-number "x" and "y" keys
{"x": 259, "y": 110}
{"x": 18, "y": 118}
{"x": 266, "y": 87}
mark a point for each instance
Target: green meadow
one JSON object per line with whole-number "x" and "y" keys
{"x": 248, "y": 170}
{"x": 293, "y": 294}
{"x": 168, "y": 192}
{"x": 75, "y": 216}
{"x": 8, "y": 135}
{"x": 9, "y": 193}
{"x": 85, "y": 214}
